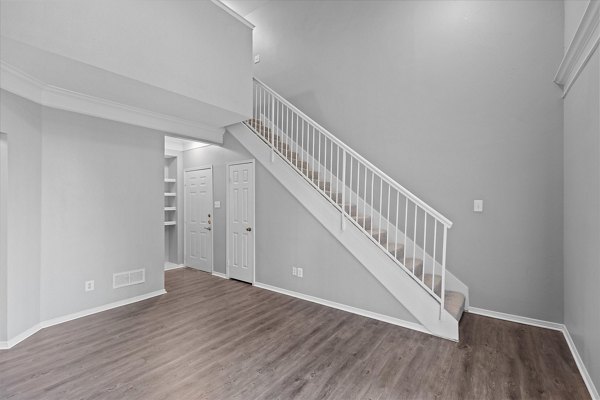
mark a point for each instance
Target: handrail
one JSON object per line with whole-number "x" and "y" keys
{"x": 424, "y": 206}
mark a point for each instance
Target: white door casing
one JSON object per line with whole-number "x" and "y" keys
{"x": 240, "y": 221}
{"x": 198, "y": 215}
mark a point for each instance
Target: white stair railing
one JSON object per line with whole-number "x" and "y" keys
{"x": 412, "y": 233}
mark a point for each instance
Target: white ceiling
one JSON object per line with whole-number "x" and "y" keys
{"x": 244, "y": 7}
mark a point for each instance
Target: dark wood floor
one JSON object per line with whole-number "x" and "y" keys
{"x": 211, "y": 338}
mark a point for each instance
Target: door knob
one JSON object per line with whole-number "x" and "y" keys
{"x": 207, "y": 228}
{"x": 249, "y": 229}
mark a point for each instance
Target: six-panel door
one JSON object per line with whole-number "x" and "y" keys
{"x": 198, "y": 219}
{"x": 241, "y": 222}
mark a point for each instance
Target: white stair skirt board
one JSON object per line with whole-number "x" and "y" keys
{"x": 344, "y": 307}
{"x": 65, "y": 318}
{"x": 169, "y": 266}
{"x": 548, "y": 325}
{"x": 403, "y": 287}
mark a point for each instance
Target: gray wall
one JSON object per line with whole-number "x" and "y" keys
{"x": 21, "y": 121}
{"x": 288, "y": 235}
{"x": 582, "y": 215}
{"x": 102, "y": 210}
{"x": 455, "y": 101}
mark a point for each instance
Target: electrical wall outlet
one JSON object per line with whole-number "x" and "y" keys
{"x": 478, "y": 206}
{"x": 300, "y": 272}
{"x": 294, "y": 271}
{"x": 89, "y": 286}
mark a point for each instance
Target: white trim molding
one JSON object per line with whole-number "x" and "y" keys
{"x": 548, "y": 325}
{"x": 581, "y": 48}
{"x": 582, "y": 369}
{"x": 354, "y": 310}
{"x": 234, "y": 14}
{"x": 220, "y": 275}
{"x": 170, "y": 266}
{"x": 65, "y": 318}
{"x": 516, "y": 318}
{"x": 20, "y": 83}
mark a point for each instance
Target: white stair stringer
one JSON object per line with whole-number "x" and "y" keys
{"x": 418, "y": 302}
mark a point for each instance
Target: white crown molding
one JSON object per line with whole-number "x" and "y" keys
{"x": 18, "y": 82}
{"x": 548, "y": 325}
{"x": 235, "y": 15}
{"x": 354, "y": 310}
{"x": 65, "y": 318}
{"x": 583, "y": 45}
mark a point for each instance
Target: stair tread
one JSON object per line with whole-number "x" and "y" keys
{"x": 454, "y": 303}
{"x": 427, "y": 280}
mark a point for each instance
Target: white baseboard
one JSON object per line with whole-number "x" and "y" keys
{"x": 65, "y": 318}
{"x": 220, "y": 275}
{"x": 582, "y": 369}
{"x": 169, "y": 266}
{"x": 516, "y": 318}
{"x": 20, "y": 337}
{"x": 548, "y": 325}
{"x": 369, "y": 314}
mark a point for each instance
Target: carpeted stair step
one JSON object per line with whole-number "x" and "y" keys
{"x": 418, "y": 263}
{"x": 323, "y": 185}
{"x": 396, "y": 249}
{"x": 363, "y": 220}
{"x": 454, "y": 304}
{"x": 379, "y": 235}
{"x": 351, "y": 209}
{"x": 296, "y": 160}
{"x": 428, "y": 281}
{"x": 337, "y": 197}
{"x": 310, "y": 173}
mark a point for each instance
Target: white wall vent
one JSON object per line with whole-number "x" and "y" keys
{"x": 129, "y": 278}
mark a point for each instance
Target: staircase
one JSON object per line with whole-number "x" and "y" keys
{"x": 410, "y": 234}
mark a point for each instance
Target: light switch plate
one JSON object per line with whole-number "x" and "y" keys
{"x": 478, "y": 206}
{"x": 217, "y": 204}
{"x": 257, "y": 59}
{"x": 89, "y": 286}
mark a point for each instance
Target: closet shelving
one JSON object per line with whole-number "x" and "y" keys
{"x": 170, "y": 207}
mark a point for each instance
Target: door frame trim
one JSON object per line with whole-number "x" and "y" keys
{"x": 227, "y": 246}
{"x": 212, "y": 212}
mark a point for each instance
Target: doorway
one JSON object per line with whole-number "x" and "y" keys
{"x": 240, "y": 221}
{"x": 198, "y": 230}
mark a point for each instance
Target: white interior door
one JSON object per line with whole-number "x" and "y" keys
{"x": 198, "y": 219}
{"x": 240, "y": 212}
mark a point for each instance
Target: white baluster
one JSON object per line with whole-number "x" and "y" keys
{"x": 405, "y": 230}
{"x": 443, "y": 296}
{"x": 343, "y": 188}
{"x": 415, "y": 241}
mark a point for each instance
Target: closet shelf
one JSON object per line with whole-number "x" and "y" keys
{"x": 169, "y": 223}
{"x": 170, "y": 208}
{"x": 170, "y": 194}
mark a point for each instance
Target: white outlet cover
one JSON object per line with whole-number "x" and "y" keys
{"x": 300, "y": 272}
{"x": 477, "y": 205}
{"x": 294, "y": 271}
{"x": 89, "y": 286}
{"x": 217, "y": 204}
